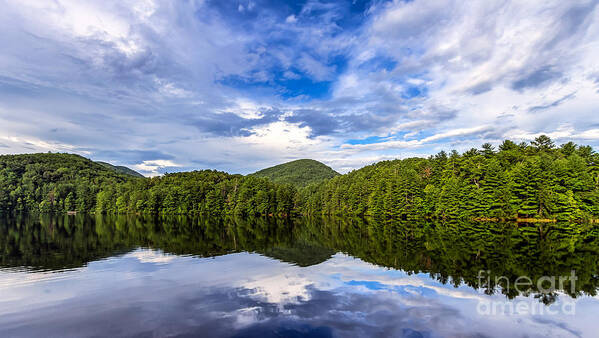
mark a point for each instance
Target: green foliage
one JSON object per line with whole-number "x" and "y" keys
{"x": 52, "y": 182}
{"x": 299, "y": 173}
{"x": 207, "y": 192}
{"x": 65, "y": 182}
{"x": 534, "y": 180}
{"x": 121, "y": 169}
{"x": 457, "y": 251}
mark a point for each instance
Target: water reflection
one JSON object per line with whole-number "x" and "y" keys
{"x": 50, "y": 243}
{"x": 70, "y": 276}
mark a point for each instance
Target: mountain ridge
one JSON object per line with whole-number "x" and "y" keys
{"x": 121, "y": 169}
{"x": 299, "y": 173}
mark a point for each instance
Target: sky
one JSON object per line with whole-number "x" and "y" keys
{"x": 165, "y": 86}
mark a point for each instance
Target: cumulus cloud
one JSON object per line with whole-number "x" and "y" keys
{"x": 240, "y": 85}
{"x": 150, "y": 168}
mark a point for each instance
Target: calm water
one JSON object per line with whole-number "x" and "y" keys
{"x": 78, "y": 276}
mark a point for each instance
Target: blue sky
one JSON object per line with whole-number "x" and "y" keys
{"x": 164, "y": 86}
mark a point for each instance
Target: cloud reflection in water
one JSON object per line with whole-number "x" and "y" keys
{"x": 148, "y": 293}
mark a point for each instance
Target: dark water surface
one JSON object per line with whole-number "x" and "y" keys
{"x": 77, "y": 276}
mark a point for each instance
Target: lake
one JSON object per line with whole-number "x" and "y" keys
{"x": 82, "y": 276}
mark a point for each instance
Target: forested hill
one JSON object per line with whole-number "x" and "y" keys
{"x": 526, "y": 180}
{"x": 198, "y": 192}
{"x": 121, "y": 169}
{"x": 52, "y": 182}
{"x": 65, "y": 182}
{"x": 299, "y": 173}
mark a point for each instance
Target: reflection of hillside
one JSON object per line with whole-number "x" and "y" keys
{"x": 51, "y": 243}
{"x": 449, "y": 252}
{"x": 456, "y": 252}
{"x": 300, "y": 254}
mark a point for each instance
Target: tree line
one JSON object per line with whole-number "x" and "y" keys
{"x": 66, "y": 182}
{"x": 207, "y": 192}
{"x": 525, "y": 180}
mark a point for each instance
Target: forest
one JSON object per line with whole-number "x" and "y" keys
{"x": 299, "y": 173}
{"x": 71, "y": 183}
{"x": 536, "y": 180}
{"x": 208, "y": 192}
{"x": 53, "y": 182}
{"x": 525, "y": 180}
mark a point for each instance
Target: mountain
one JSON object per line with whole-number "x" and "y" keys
{"x": 121, "y": 169}
{"x": 299, "y": 173}
{"x": 53, "y": 182}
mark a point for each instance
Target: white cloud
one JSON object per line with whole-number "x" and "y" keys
{"x": 563, "y": 133}
{"x": 418, "y": 142}
{"x": 455, "y": 132}
{"x": 291, "y": 19}
{"x": 27, "y": 145}
{"x": 169, "y": 89}
{"x": 316, "y": 68}
{"x": 180, "y": 79}
{"x": 485, "y": 63}
{"x": 151, "y": 168}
